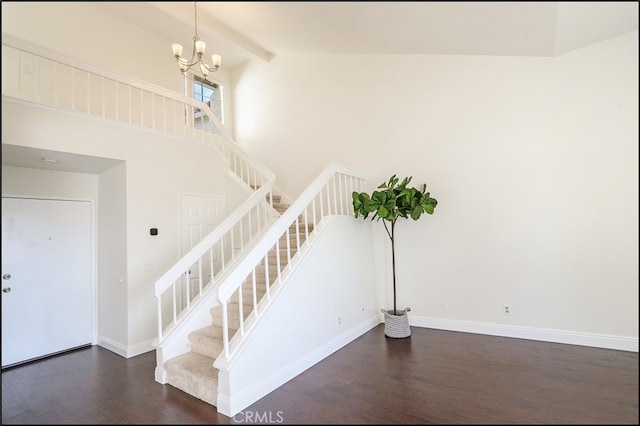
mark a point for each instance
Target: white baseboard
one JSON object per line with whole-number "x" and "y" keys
{"x": 140, "y": 348}
{"x": 621, "y": 343}
{"x": 124, "y": 350}
{"x": 113, "y": 346}
{"x": 244, "y": 398}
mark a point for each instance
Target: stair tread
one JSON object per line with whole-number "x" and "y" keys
{"x": 193, "y": 373}
{"x": 193, "y": 362}
{"x": 233, "y": 308}
{"x": 211, "y": 332}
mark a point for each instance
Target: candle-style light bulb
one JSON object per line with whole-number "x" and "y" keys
{"x": 177, "y": 49}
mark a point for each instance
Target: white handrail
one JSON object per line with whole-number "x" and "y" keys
{"x": 175, "y": 284}
{"x": 320, "y": 187}
{"x": 282, "y": 224}
{"x": 163, "y": 283}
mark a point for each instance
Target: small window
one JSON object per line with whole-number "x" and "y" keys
{"x": 210, "y": 93}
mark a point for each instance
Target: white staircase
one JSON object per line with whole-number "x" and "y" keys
{"x": 193, "y": 372}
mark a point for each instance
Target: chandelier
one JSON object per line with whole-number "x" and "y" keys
{"x": 196, "y": 54}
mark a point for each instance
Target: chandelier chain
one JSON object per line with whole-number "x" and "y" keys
{"x": 195, "y": 14}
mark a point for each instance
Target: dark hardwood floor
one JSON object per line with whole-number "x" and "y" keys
{"x": 432, "y": 377}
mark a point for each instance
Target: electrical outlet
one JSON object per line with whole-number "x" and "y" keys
{"x": 506, "y": 310}
{"x": 339, "y": 321}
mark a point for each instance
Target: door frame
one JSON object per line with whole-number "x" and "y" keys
{"x": 93, "y": 263}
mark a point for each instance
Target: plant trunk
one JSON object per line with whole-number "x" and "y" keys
{"x": 393, "y": 264}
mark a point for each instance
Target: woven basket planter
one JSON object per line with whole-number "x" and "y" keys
{"x": 396, "y": 326}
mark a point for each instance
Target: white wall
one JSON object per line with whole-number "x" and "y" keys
{"x": 534, "y": 162}
{"x": 48, "y": 183}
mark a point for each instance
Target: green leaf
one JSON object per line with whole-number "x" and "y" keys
{"x": 429, "y": 205}
{"x": 416, "y": 212}
{"x": 379, "y": 197}
{"x": 382, "y": 212}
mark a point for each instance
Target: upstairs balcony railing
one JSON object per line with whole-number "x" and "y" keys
{"x": 35, "y": 75}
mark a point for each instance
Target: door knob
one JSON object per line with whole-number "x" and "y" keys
{"x": 6, "y": 276}
{"x": 6, "y": 289}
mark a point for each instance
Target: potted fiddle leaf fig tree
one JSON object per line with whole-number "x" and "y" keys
{"x": 390, "y": 202}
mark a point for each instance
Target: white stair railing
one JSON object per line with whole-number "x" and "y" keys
{"x": 208, "y": 262}
{"x": 329, "y": 194}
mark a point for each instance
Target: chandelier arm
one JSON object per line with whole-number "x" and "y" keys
{"x": 210, "y": 68}
{"x": 195, "y": 58}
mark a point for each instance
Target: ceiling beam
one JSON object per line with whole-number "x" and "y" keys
{"x": 211, "y": 25}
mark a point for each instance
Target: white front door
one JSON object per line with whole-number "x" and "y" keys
{"x": 46, "y": 277}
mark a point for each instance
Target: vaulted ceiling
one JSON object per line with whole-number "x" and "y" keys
{"x": 241, "y": 31}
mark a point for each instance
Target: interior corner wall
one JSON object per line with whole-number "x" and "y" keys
{"x": 112, "y": 259}
{"x": 534, "y": 162}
